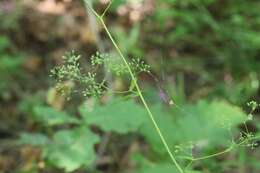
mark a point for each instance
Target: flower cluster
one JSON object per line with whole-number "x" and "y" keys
{"x": 70, "y": 73}
{"x": 117, "y": 66}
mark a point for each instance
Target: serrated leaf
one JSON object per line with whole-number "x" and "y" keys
{"x": 220, "y": 113}
{"x": 210, "y": 121}
{"x": 52, "y": 117}
{"x": 203, "y": 123}
{"x": 71, "y": 149}
{"x": 121, "y": 116}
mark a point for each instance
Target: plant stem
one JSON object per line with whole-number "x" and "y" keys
{"x": 141, "y": 96}
{"x": 213, "y": 155}
{"x": 103, "y": 14}
{"x": 137, "y": 87}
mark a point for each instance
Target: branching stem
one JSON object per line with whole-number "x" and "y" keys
{"x": 141, "y": 97}
{"x": 230, "y": 148}
{"x": 139, "y": 93}
{"x": 100, "y": 18}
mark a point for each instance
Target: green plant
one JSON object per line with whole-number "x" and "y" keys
{"x": 133, "y": 78}
{"x": 10, "y": 65}
{"x": 219, "y": 117}
{"x": 64, "y": 148}
{"x": 209, "y": 38}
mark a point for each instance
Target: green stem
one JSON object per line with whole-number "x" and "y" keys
{"x": 141, "y": 97}
{"x": 100, "y": 17}
{"x": 232, "y": 146}
{"x": 137, "y": 88}
{"x": 103, "y": 14}
{"x": 213, "y": 155}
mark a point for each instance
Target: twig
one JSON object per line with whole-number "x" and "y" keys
{"x": 100, "y": 18}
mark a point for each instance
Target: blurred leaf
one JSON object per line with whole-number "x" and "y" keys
{"x": 35, "y": 139}
{"x": 29, "y": 102}
{"x": 4, "y": 43}
{"x": 10, "y": 68}
{"x": 167, "y": 168}
{"x": 118, "y": 115}
{"x": 9, "y": 63}
{"x": 218, "y": 113}
{"x": 206, "y": 123}
{"x": 168, "y": 128}
{"x": 51, "y": 117}
{"x": 71, "y": 149}
{"x": 164, "y": 168}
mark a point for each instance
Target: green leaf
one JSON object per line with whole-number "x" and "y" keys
{"x": 167, "y": 125}
{"x": 205, "y": 123}
{"x": 52, "y": 117}
{"x": 35, "y": 139}
{"x": 143, "y": 165}
{"x": 121, "y": 116}
{"x": 71, "y": 149}
{"x": 162, "y": 167}
{"x": 4, "y": 43}
{"x": 218, "y": 113}
{"x": 159, "y": 168}
{"x": 10, "y": 63}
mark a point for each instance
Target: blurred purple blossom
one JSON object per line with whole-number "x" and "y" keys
{"x": 7, "y": 6}
{"x": 163, "y": 96}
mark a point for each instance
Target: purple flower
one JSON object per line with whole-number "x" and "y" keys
{"x": 163, "y": 96}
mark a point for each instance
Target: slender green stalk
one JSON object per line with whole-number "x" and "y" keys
{"x": 103, "y": 14}
{"x": 139, "y": 92}
{"x": 137, "y": 88}
{"x": 142, "y": 98}
{"x": 230, "y": 148}
{"x": 213, "y": 155}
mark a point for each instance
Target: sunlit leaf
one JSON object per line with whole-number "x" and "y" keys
{"x": 71, "y": 149}
{"x": 118, "y": 115}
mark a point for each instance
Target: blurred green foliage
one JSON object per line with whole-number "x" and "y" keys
{"x": 206, "y": 123}
{"x": 214, "y": 40}
{"x": 207, "y": 54}
{"x": 10, "y": 65}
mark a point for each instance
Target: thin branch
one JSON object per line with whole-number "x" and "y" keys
{"x": 100, "y": 17}
{"x": 214, "y": 155}
{"x": 138, "y": 89}
{"x": 90, "y": 7}
{"x": 108, "y": 6}
{"x": 232, "y": 146}
{"x": 142, "y": 98}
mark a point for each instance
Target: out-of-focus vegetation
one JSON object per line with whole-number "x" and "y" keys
{"x": 197, "y": 63}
